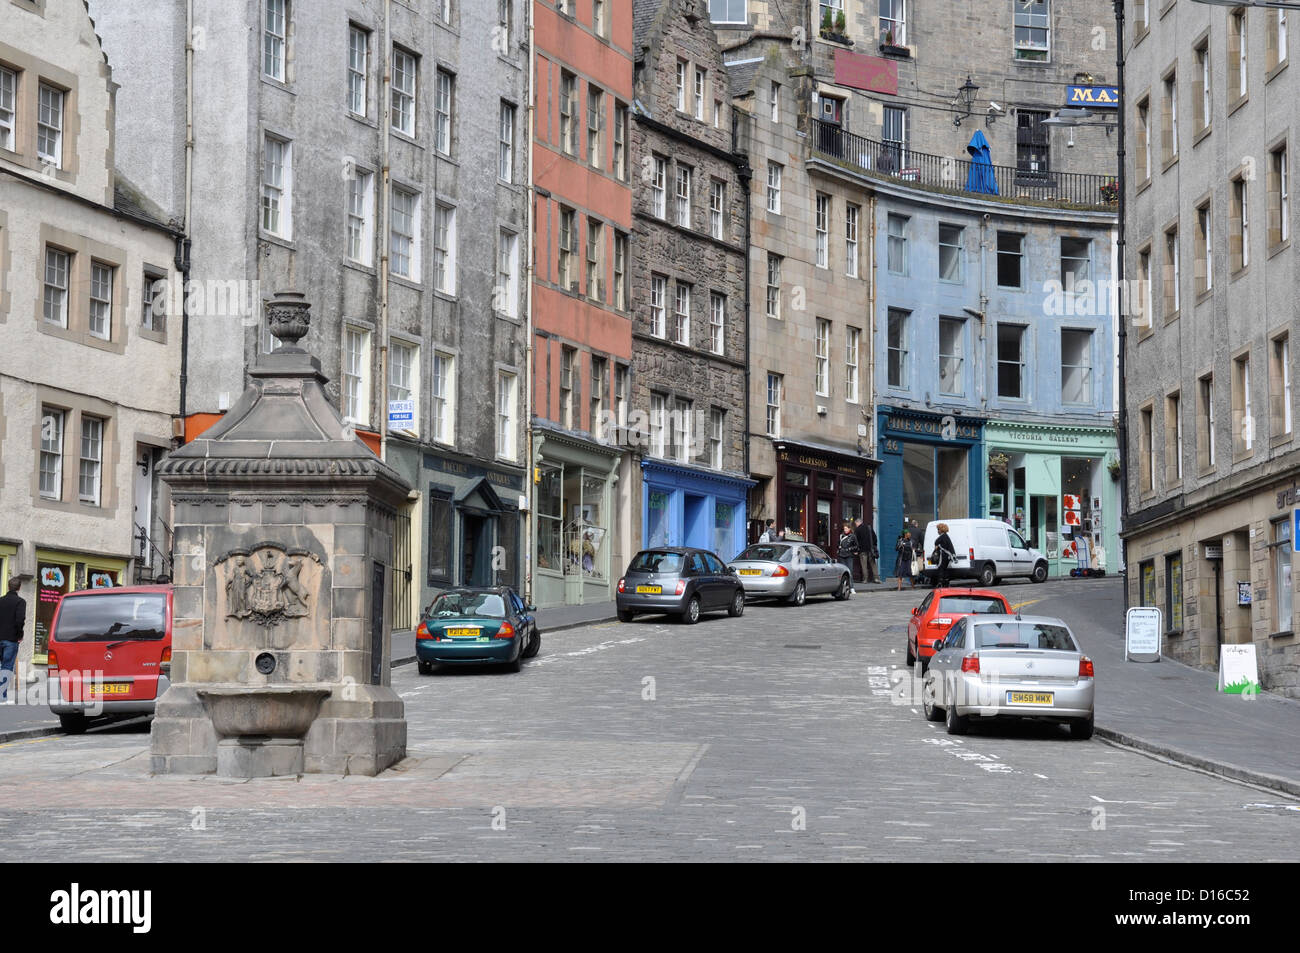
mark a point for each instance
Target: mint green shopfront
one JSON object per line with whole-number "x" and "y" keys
{"x": 1053, "y": 483}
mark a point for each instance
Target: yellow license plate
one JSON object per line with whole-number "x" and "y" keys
{"x": 1029, "y": 698}
{"x": 464, "y": 633}
{"x": 108, "y": 688}
{"x": 650, "y": 590}
{"x": 751, "y": 572}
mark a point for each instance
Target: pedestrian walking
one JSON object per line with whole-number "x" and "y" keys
{"x": 868, "y": 549}
{"x": 13, "y": 614}
{"x": 769, "y": 533}
{"x": 848, "y": 549}
{"x": 944, "y": 553}
{"x": 903, "y": 561}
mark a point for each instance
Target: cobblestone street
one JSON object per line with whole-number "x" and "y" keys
{"x": 773, "y": 736}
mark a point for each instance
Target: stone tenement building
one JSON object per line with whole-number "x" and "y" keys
{"x": 1212, "y": 103}
{"x": 811, "y": 271}
{"x": 374, "y": 157}
{"x": 689, "y": 347}
{"x": 585, "y": 492}
{"x": 88, "y": 363}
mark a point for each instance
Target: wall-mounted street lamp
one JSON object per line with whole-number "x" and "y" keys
{"x": 966, "y": 96}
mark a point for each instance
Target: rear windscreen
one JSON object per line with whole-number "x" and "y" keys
{"x": 767, "y": 552}
{"x": 656, "y": 563}
{"x": 960, "y": 605}
{"x": 110, "y": 617}
{"x": 1023, "y": 635}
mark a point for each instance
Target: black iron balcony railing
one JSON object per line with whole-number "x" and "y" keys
{"x": 949, "y": 174}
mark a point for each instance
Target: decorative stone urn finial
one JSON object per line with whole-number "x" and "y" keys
{"x": 289, "y": 316}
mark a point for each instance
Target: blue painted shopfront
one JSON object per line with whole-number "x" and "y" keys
{"x": 932, "y": 468}
{"x": 685, "y": 507}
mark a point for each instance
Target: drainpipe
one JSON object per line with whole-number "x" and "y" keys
{"x": 384, "y": 207}
{"x": 1119, "y": 307}
{"x": 746, "y": 175}
{"x": 183, "y": 244}
{"x": 526, "y": 422}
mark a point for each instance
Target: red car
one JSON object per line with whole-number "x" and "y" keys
{"x": 932, "y": 619}
{"x": 110, "y": 653}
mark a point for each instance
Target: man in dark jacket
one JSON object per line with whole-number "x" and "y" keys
{"x": 13, "y": 615}
{"x": 868, "y": 549}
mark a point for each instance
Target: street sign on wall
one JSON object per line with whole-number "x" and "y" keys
{"x": 1142, "y": 632}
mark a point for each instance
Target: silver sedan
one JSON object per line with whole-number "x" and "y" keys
{"x": 1003, "y": 666}
{"x": 790, "y": 571}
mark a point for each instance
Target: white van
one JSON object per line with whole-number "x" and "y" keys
{"x": 987, "y": 550}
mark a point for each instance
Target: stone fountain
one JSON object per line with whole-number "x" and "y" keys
{"x": 283, "y": 560}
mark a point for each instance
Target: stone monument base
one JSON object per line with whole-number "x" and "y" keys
{"x": 363, "y": 734}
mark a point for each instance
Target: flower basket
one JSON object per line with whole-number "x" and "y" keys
{"x": 1110, "y": 192}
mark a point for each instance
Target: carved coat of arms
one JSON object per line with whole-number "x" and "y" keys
{"x": 268, "y": 584}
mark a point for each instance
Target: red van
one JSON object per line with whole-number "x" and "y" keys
{"x": 110, "y": 653}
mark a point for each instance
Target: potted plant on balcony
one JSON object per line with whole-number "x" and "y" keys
{"x": 1110, "y": 191}
{"x": 834, "y": 27}
{"x": 890, "y": 47}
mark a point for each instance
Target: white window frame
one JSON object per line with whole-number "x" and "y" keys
{"x": 595, "y": 125}
{"x": 100, "y": 318}
{"x": 727, "y": 9}
{"x": 659, "y": 188}
{"x": 852, "y": 214}
{"x": 358, "y": 70}
{"x": 8, "y": 108}
{"x": 404, "y": 89}
{"x": 658, "y": 306}
{"x": 508, "y": 272}
{"x": 277, "y": 186}
{"x": 53, "y": 427}
{"x": 506, "y": 402}
{"x": 822, "y": 358}
{"x": 356, "y": 375}
{"x": 568, "y": 106}
{"x": 444, "y": 248}
{"x": 444, "y": 110}
{"x": 897, "y": 352}
{"x": 404, "y": 245}
{"x": 717, "y": 206}
{"x": 896, "y": 244}
{"x": 658, "y": 424}
{"x": 52, "y": 104}
{"x": 822, "y": 226}
{"x": 717, "y": 432}
{"x": 1024, "y": 19}
{"x": 1084, "y": 368}
{"x": 275, "y": 39}
{"x": 442, "y": 393}
{"x": 404, "y": 376}
{"x": 90, "y": 461}
{"x": 685, "y": 175}
{"x": 620, "y": 270}
{"x": 894, "y": 19}
{"x": 717, "y": 322}
{"x": 774, "y": 386}
{"x": 852, "y": 360}
{"x": 955, "y": 383}
{"x": 701, "y": 87}
{"x": 56, "y": 285}
{"x": 1020, "y": 362}
{"x": 774, "y": 102}
{"x": 681, "y": 86}
{"x": 506, "y": 143}
{"x": 958, "y": 249}
{"x": 774, "y": 170}
{"x": 774, "y": 263}
{"x": 360, "y": 235}
{"x": 595, "y": 260}
{"x": 682, "y": 314}
{"x": 683, "y": 411}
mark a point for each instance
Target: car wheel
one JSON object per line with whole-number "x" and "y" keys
{"x": 692, "y": 613}
{"x": 73, "y": 724}
{"x": 1081, "y": 730}
{"x": 799, "y": 595}
{"x": 845, "y": 589}
{"x": 957, "y": 724}
{"x": 1040, "y": 573}
{"x": 625, "y": 616}
{"x": 987, "y": 575}
{"x": 737, "y": 606}
{"x": 517, "y": 664}
{"x": 911, "y": 656}
{"x": 534, "y": 645}
{"x": 424, "y": 668}
{"x": 932, "y": 711}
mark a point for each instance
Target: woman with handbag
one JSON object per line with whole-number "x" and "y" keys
{"x": 945, "y": 552}
{"x": 848, "y": 550}
{"x": 903, "y": 561}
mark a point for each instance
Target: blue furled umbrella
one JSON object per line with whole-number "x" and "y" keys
{"x": 981, "y": 177}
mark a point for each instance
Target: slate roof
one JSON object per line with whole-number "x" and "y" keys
{"x": 644, "y": 13}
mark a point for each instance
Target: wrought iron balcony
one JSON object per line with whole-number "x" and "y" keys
{"x": 889, "y": 160}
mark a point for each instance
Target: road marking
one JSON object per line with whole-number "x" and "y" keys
{"x": 598, "y": 647}
{"x": 1015, "y": 606}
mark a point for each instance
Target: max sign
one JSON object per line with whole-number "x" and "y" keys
{"x": 1098, "y": 97}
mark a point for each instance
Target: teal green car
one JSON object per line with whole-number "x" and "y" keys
{"x": 491, "y": 626}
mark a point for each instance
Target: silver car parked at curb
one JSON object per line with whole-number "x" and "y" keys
{"x": 1003, "y": 666}
{"x": 791, "y": 571}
